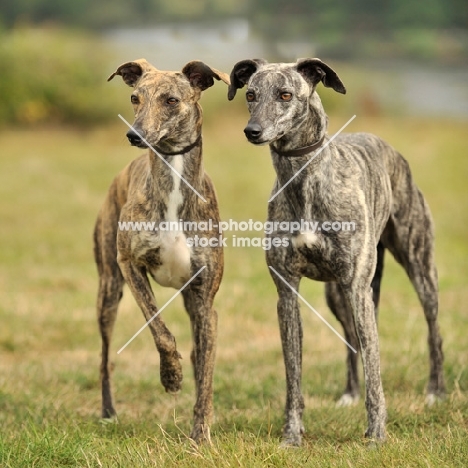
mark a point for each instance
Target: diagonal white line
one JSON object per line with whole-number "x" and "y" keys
{"x": 311, "y": 159}
{"x": 161, "y": 309}
{"x": 162, "y": 159}
{"x": 312, "y": 309}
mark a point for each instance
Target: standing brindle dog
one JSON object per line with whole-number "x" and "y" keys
{"x": 168, "y": 118}
{"x": 357, "y": 178}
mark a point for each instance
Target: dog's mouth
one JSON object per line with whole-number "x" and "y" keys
{"x": 258, "y": 142}
{"x": 263, "y": 142}
{"x": 141, "y": 145}
{"x": 139, "y": 138}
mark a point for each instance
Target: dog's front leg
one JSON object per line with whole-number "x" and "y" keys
{"x": 170, "y": 368}
{"x": 359, "y": 295}
{"x": 291, "y": 338}
{"x": 338, "y": 304}
{"x": 204, "y": 322}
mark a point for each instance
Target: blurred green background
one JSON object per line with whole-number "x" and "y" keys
{"x": 412, "y": 55}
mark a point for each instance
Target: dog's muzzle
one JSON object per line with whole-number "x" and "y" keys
{"x": 253, "y": 132}
{"x": 135, "y": 138}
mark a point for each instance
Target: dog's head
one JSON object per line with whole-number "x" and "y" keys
{"x": 165, "y": 103}
{"x": 280, "y": 95}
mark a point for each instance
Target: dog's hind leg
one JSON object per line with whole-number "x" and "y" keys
{"x": 376, "y": 281}
{"x": 411, "y": 241}
{"x": 109, "y": 294}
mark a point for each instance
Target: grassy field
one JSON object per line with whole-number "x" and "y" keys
{"x": 51, "y": 186}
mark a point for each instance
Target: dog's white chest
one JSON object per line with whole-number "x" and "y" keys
{"x": 165, "y": 252}
{"x": 174, "y": 255}
{"x": 306, "y": 239}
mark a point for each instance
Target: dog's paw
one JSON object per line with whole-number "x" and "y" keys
{"x": 376, "y": 434}
{"x": 108, "y": 413}
{"x": 201, "y": 434}
{"x": 171, "y": 372}
{"x": 347, "y": 400}
{"x": 432, "y": 399}
{"x": 109, "y": 420}
{"x": 292, "y": 437}
{"x": 291, "y": 441}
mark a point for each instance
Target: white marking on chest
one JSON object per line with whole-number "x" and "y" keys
{"x": 175, "y": 197}
{"x": 305, "y": 238}
{"x": 174, "y": 253}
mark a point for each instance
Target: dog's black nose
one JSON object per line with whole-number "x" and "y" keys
{"x": 134, "y": 138}
{"x": 253, "y": 131}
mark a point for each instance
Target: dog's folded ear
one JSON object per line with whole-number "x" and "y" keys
{"x": 241, "y": 74}
{"x": 314, "y": 71}
{"x": 131, "y": 72}
{"x": 201, "y": 75}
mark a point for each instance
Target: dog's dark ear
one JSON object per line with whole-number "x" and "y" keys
{"x": 201, "y": 75}
{"x": 314, "y": 71}
{"x": 131, "y": 71}
{"x": 241, "y": 74}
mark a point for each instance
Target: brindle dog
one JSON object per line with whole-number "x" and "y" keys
{"x": 356, "y": 178}
{"x": 168, "y": 118}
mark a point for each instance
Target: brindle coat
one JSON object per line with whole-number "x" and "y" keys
{"x": 357, "y": 178}
{"x": 169, "y": 119}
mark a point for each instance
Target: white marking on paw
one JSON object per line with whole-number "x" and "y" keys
{"x": 107, "y": 421}
{"x": 347, "y": 400}
{"x": 432, "y": 399}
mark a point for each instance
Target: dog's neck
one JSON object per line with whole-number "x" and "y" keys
{"x": 307, "y": 136}
{"x": 176, "y": 151}
{"x": 170, "y": 175}
{"x": 313, "y": 128}
{"x": 302, "y": 151}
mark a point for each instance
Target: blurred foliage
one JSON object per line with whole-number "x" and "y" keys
{"x": 351, "y": 15}
{"x": 308, "y": 15}
{"x": 53, "y": 76}
{"x": 343, "y": 29}
{"x": 111, "y": 13}
{"x": 57, "y": 76}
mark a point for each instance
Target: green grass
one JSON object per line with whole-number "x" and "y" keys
{"x": 51, "y": 186}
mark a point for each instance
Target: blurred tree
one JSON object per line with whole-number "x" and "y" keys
{"x": 413, "y": 14}
{"x": 457, "y": 13}
{"x": 351, "y": 15}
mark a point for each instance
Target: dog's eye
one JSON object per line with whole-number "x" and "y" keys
{"x": 250, "y": 96}
{"x": 134, "y": 99}
{"x": 286, "y": 96}
{"x": 172, "y": 101}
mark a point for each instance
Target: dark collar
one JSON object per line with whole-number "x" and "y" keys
{"x": 184, "y": 150}
{"x": 300, "y": 151}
